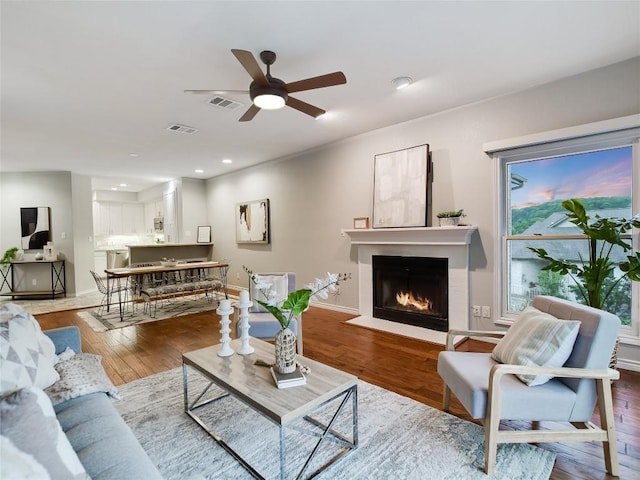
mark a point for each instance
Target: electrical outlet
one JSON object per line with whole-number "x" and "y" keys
{"x": 237, "y": 275}
{"x": 486, "y": 311}
{"x": 34, "y": 282}
{"x": 476, "y": 310}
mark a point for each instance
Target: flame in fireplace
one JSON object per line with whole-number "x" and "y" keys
{"x": 407, "y": 300}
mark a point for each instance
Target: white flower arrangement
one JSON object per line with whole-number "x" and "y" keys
{"x": 284, "y": 309}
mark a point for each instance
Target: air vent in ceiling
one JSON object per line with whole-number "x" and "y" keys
{"x": 176, "y": 127}
{"x": 225, "y": 103}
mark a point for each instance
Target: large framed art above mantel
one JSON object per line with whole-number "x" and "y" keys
{"x": 402, "y": 188}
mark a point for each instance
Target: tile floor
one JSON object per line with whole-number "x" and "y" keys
{"x": 58, "y": 304}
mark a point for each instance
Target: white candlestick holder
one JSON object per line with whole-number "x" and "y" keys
{"x": 243, "y": 306}
{"x": 224, "y": 310}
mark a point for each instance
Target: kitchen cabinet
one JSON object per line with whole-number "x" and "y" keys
{"x": 132, "y": 218}
{"x": 99, "y": 262}
{"x": 152, "y": 210}
{"x": 112, "y": 218}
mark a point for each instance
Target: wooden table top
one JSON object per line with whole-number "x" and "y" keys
{"x": 130, "y": 271}
{"x": 255, "y": 386}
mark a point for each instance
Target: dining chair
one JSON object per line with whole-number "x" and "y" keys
{"x": 108, "y": 291}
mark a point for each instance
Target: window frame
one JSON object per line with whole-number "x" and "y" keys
{"x": 602, "y": 135}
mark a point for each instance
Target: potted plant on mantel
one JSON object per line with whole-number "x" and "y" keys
{"x": 595, "y": 276}
{"x": 450, "y": 218}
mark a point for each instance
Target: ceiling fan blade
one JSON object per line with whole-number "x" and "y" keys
{"x": 250, "y": 64}
{"x": 304, "y": 107}
{"x": 216, "y": 92}
{"x": 328, "y": 80}
{"x": 249, "y": 114}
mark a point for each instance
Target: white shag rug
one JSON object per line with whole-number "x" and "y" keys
{"x": 398, "y": 438}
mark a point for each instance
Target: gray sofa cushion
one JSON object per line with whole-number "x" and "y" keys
{"x": 104, "y": 443}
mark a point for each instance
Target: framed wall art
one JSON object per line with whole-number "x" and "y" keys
{"x": 402, "y": 188}
{"x": 204, "y": 234}
{"x": 252, "y": 222}
{"x": 35, "y": 227}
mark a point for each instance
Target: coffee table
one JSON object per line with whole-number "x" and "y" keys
{"x": 253, "y": 385}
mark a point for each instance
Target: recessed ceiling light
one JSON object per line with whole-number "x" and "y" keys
{"x": 198, "y": 170}
{"x": 114, "y": 188}
{"x": 123, "y": 184}
{"x": 401, "y": 82}
{"x": 227, "y": 160}
{"x": 133, "y": 154}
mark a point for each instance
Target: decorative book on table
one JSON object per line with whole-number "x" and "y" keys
{"x": 286, "y": 380}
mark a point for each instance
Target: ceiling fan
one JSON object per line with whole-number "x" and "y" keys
{"x": 271, "y": 93}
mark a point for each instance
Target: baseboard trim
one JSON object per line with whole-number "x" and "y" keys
{"x": 625, "y": 364}
{"x": 335, "y": 308}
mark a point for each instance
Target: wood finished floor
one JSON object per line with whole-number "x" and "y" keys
{"x": 403, "y": 365}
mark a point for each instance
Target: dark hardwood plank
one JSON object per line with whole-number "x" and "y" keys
{"x": 403, "y": 365}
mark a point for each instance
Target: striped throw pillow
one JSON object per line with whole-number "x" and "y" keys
{"x": 537, "y": 339}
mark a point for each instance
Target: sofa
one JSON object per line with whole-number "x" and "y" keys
{"x": 92, "y": 439}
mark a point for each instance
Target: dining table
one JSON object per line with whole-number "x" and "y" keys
{"x": 115, "y": 276}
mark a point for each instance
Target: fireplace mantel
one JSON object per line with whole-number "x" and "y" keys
{"x": 412, "y": 236}
{"x": 452, "y": 243}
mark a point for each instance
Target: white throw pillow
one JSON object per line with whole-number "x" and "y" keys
{"x": 28, "y": 420}
{"x": 537, "y": 339}
{"x": 274, "y": 287}
{"x": 27, "y": 355}
{"x": 81, "y": 374}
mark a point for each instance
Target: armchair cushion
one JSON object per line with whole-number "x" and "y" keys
{"x": 537, "y": 339}
{"x": 467, "y": 374}
{"x": 276, "y": 286}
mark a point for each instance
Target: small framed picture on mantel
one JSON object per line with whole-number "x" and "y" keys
{"x": 361, "y": 223}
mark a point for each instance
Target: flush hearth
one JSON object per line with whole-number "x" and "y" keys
{"x": 411, "y": 290}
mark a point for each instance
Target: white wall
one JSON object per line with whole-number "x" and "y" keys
{"x": 194, "y": 208}
{"x": 316, "y": 194}
{"x": 82, "y": 217}
{"x": 54, "y": 190}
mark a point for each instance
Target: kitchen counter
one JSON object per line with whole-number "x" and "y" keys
{"x": 187, "y": 252}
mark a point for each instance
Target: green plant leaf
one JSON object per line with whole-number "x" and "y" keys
{"x": 276, "y": 312}
{"x": 298, "y": 301}
{"x": 602, "y": 234}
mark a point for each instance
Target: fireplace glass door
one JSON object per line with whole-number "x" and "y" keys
{"x": 411, "y": 290}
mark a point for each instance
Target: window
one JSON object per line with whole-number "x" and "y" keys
{"x": 599, "y": 170}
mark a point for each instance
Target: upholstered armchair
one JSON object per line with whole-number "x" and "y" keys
{"x": 492, "y": 389}
{"x": 264, "y": 325}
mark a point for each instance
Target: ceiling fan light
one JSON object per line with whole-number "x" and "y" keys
{"x": 269, "y": 101}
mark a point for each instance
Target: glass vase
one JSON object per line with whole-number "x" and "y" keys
{"x": 285, "y": 344}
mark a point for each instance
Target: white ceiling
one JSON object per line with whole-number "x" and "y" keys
{"x": 85, "y": 84}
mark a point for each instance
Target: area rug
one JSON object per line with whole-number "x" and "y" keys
{"x": 166, "y": 309}
{"x": 398, "y": 438}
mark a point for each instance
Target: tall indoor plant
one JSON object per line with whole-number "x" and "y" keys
{"x": 596, "y": 277}
{"x": 590, "y": 274}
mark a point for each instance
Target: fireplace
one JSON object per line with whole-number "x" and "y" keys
{"x": 411, "y": 290}
{"x": 450, "y": 243}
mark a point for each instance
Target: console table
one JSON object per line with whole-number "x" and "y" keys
{"x": 58, "y": 278}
